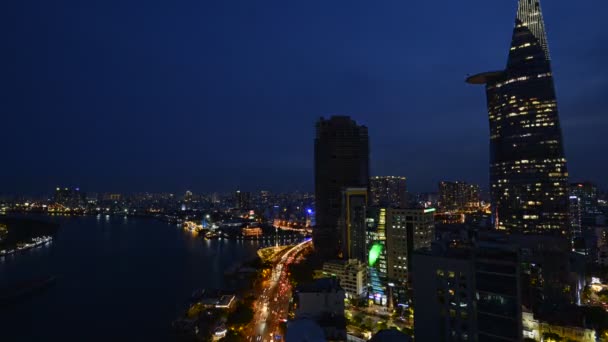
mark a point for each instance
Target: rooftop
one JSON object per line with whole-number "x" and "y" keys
{"x": 321, "y": 285}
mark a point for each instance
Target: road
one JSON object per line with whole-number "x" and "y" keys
{"x": 273, "y": 302}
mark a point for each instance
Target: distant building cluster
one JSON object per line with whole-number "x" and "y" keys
{"x": 388, "y": 191}
{"x": 459, "y": 196}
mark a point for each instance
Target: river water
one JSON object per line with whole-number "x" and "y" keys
{"x": 118, "y": 279}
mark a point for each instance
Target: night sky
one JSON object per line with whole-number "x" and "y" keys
{"x": 125, "y": 96}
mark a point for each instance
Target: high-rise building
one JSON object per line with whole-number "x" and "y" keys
{"x": 376, "y": 255}
{"x": 264, "y": 197}
{"x": 92, "y": 197}
{"x": 458, "y": 195}
{"x": 215, "y": 198}
{"x": 341, "y": 161}
{"x": 528, "y": 173}
{"x": 406, "y": 231}
{"x": 69, "y": 197}
{"x": 588, "y": 202}
{"x": 470, "y": 293}
{"x": 388, "y": 191}
{"x": 242, "y": 200}
{"x": 353, "y": 222}
{"x": 575, "y": 218}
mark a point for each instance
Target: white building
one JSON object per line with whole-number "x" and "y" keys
{"x": 324, "y": 296}
{"x": 323, "y": 302}
{"x": 352, "y": 275}
{"x": 406, "y": 231}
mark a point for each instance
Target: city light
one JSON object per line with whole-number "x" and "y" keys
{"x": 374, "y": 253}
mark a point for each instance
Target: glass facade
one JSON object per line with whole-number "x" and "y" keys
{"x": 498, "y": 293}
{"x": 528, "y": 172}
{"x": 355, "y": 228}
{"x": 341, "y": 161}
{"x": 376, "y": 242}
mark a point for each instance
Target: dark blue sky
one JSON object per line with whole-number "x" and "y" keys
{"x": 120, "y": 95}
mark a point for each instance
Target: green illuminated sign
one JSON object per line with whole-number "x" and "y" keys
{"x": 374, "y": 253}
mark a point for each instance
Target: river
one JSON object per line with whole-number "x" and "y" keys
{"x": 118, "y": 279}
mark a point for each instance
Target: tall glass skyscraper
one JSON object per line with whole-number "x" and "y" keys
{"x": 528, "y": 173}
{"x": 341, "y": 162}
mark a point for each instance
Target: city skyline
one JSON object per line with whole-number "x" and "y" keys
{"x": 296, "y": 171}
{"x": 173, "y": 130}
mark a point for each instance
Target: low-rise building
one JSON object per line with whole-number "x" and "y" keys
{"x": 538, "y": 330}
{"x": 352, "y": 275}
{"x": 323, "y": 302}
{"x": 252, "y": 231}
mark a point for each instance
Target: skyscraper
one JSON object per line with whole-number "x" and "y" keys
{"x": 406, "y": 231}
{"x": 528, "y": 173}
{"x": 69, "y": 197}
{"x": 341, "y": 161}
{"x": 376, "y": 244}
{"x": 242, "y": 200}
{"x": 354, "y": 228}
{"x": 588, "y": 195}
{"x": 388, "y": 191}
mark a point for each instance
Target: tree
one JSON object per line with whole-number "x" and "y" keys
{"x": 357, "y": 319}
{"x": 242, "y": 314}
{"x": 233, "y": 336}
{"x": 367, "y": 324}
{"x": 603, "y": 295}
{"x": 382, "y": 325}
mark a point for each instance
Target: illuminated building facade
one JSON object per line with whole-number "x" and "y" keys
{"x": 376, "y": 255}
{"x": 111, "y": 197}
{"x": 353, "y": 222}
{"x": 352, "y": 275}
{"x": 252, "y": 231}
{"x": 575, "y": 218}
{"x": 468, "y": 293}
{"x": 528, "y": 173}
{"x": 341, "y": 161}
{"x": 388, "y": 191}
{"x": 458, "y": 196}
{"x": 69, "y": 197}
{"x": 588, "y": 201}
{"x": 242, "y": 200}
{"x": 406, "y": 231}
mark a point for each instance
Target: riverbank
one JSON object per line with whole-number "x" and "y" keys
{"x": 24, "y": 233}
{"x": 215, "y": 314}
